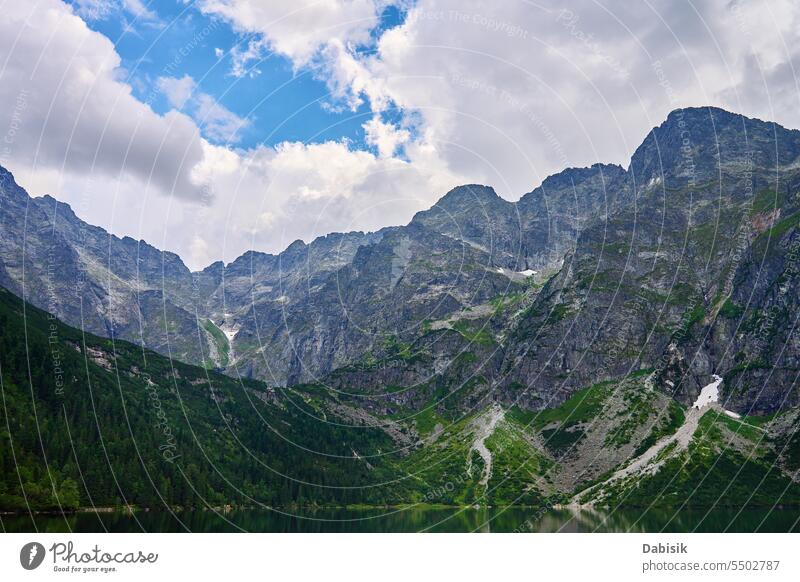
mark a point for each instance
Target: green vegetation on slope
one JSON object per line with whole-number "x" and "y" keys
{"x": 582, "y": 406}
{"x": 520, "y": 473}
{"x": 667, "y": 425}
{"x": 727, "y": 463}
{"x": 88, "y": 421}
{"x": 223, "y": 347}
{"x": 450, "y": 470}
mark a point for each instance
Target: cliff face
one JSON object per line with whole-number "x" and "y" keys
{"x": 104, "y": 284}
{"x": 687, "y": 267}
{"x": 684, "y": 263}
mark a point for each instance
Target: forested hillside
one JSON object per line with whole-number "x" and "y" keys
{"x": 89, "y": 421}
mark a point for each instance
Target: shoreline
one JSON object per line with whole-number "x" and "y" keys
{"x": 406, "y": 506}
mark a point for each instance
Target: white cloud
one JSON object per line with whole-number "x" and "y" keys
{"x": 351, "y": 79}
{"x": 385, "y": 136}
{"x": 244, "y": 55}
{"x": 296, "y": 29}
{"x": 139, "y": 9}
{"x": 177, "y": 90}
{"x": 95, "y": 9}
{"x": 77, "y": 113}
{"x": 218, "y": 123}
{"x": 314, "y": 189}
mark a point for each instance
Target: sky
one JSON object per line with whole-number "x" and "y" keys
{"x": 213, "y": 127}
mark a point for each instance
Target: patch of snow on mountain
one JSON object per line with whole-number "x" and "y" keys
{"x": 709, "y": 394}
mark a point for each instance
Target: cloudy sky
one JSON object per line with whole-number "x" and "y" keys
{"x": 216, "y": 126}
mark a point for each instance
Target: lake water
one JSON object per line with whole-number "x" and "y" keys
{"x": 416, "y": 520}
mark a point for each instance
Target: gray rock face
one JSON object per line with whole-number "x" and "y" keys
{"x": 685, "y": 263}
{"x": 564, "y": 205}
{"x": 93, "y": 280}
{"x": 679, "y": 280}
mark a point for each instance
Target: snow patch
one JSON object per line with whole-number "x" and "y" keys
{"x": 709, "y": 394}
{"x": 733, "y": 414}
{"x": 230, "y": 330}
{"x": 515, "y": 275}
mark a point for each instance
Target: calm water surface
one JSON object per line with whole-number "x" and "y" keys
{"x": 415, "y": 520}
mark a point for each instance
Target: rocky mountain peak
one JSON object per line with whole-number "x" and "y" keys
{"x": 468, "y": 193}
{"x": 698, "y": 144}
{"x": 318, "y": 306}
{"x": 462, "y": 201}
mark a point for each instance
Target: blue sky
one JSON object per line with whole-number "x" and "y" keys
{"x": 281, "y": 103}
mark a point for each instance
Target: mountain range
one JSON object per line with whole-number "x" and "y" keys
{"x": 557, "y": 347}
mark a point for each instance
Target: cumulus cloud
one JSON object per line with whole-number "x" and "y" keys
{"x": 299, "y": 191}
{"x": 177, "y": 90}
{"x": 386, "y": 137}
{"x": 298, "y": 29}
{"x": 219, "y": 124}
{"x": 75, "y": 113}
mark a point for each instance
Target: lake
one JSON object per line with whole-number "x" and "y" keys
{"x": 417, "y": 519}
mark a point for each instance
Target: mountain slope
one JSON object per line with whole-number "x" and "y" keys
{"x": 89, "y": 278}
{"x": 88, "y": 421}
{"x": 646, "y": 287}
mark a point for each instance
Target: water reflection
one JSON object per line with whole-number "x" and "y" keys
{"x": 416, "y": 519}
